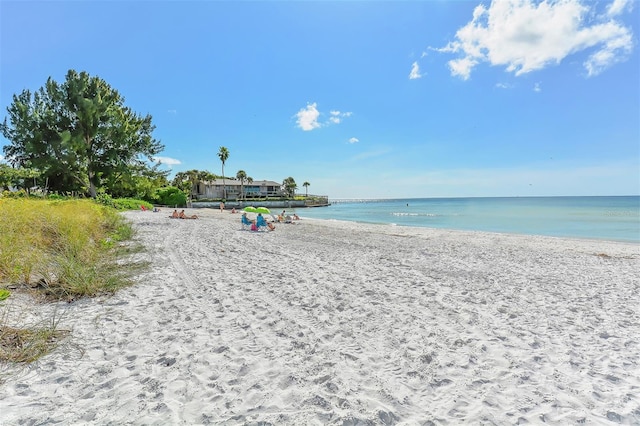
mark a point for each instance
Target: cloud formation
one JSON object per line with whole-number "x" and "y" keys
{"x": 415, "y": 71}
{"x": 167, "y": 160}
{"x": 525, "y": 36}
{"x": 337, "y": 116}
{"x": 308, "y": 117}
{"x": 354, "y": 140}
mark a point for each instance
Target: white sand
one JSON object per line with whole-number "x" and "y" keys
{"x": 325, "y": 322}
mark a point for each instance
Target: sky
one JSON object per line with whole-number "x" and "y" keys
{"x": 361, "y": 99}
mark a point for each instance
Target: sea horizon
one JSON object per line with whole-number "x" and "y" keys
{"x": 604, "y": 217}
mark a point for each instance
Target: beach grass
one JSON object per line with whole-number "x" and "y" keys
{"x": 57, "y": 250}
{"x": 27, "y": 344}
{"x": 66, "y": 249}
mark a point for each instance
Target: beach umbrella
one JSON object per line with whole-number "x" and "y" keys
{"x": 263, "y": 210}
{"x": 250, "y": 209}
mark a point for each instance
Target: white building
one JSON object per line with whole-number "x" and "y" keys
{"x": 235, "y": 191}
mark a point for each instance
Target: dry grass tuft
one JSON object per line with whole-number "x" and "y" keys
{"x": 20, "y": 345}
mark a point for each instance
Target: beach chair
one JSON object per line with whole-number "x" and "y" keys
{"x": 261, "y": 223}
{"x": 246, "y": 223}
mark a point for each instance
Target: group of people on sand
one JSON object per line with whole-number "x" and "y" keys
{"x": 182, "y": 215}
{"x": 285, "y": 218}
{"x": 257, "y": 223}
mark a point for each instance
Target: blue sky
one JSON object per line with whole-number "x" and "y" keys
{"x": 362, "y": 99}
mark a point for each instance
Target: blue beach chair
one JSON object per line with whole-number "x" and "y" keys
{"x": 246, "y": 223}
{"x": 261, "y": 222}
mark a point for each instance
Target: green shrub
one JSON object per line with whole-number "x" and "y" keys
{"x": 171, "y": 196}
{"x": 130, "y": 204}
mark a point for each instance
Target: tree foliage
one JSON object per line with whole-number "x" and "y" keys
{"x": 171, "y": 196}
{"x": 223, "y": 154}
{"x": 289, "y": 186}
{"x": 241, "y": 175}
{"x": 16, "y": 178}
{"x": 78, "y": 135}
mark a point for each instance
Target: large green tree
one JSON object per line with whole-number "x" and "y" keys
{"x": 188, "y": 180}
{"x": 289, "y": 185}
{"x": 79, "y": 134}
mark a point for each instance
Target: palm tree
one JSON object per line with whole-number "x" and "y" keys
{"x": 306, "y": 188}
{"x": 289, "y": 185}
{"x": 241, "y": 176}
{"x": 223, "y": 155}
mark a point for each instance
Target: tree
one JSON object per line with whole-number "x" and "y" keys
{"x": 223, "y": 154}
{"x": 17, "y": 178}
{"x": 77, "y": 134}
{"x": 289, "y": 185}
{"x": 241, "y": 176}
{"x": 306, "y": 187}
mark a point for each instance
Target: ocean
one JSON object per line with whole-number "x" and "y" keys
{"x": 607, "y": 218}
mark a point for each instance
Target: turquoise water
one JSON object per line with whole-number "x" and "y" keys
{"x": 606, "y": 218}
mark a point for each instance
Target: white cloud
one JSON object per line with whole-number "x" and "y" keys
{"x": 308, "y": 117}
{"x": 504, "y": 86}
{"x": 354, "y": 140}
{"x": 537, "y": 88}
{"x": 337, "y": 116}
{"x": 526, "y": 35}
{"x": 1, "y": 159}
{"x": 172, "y": 111}
{"x": 415, "y": 71}
{"x": 167, "y": 160}
{"x": 617, "y": 7}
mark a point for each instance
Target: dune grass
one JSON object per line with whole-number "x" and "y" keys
{"x": 60, "y": 250}
{"x": 66, "y": 248}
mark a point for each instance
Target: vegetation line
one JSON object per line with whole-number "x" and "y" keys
{"x": 57, "y": 250}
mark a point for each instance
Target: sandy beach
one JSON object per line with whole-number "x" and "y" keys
{"x": 336, "y": 323}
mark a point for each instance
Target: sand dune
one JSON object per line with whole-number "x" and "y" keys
{"x": 327, "y": 322}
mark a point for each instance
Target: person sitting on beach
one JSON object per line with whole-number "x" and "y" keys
{"x": 245, "y": 220}
{"x": 296, "y": 217}
{"x": 233, "y": 210}
{"x": 260, "y": 221}
{"x": 174, "y": 215}
{"x": 254, "y": 227}
{"x": 184, "y": 216}
{"x": 271, "y": 226}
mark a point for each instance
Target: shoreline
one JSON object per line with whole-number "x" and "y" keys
{"x": 331, "y": 322}
{"x": 472, "y": 231}
{"x": 601, "y": 218}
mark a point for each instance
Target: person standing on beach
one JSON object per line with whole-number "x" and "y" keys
{"x": 221, "y": 206}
